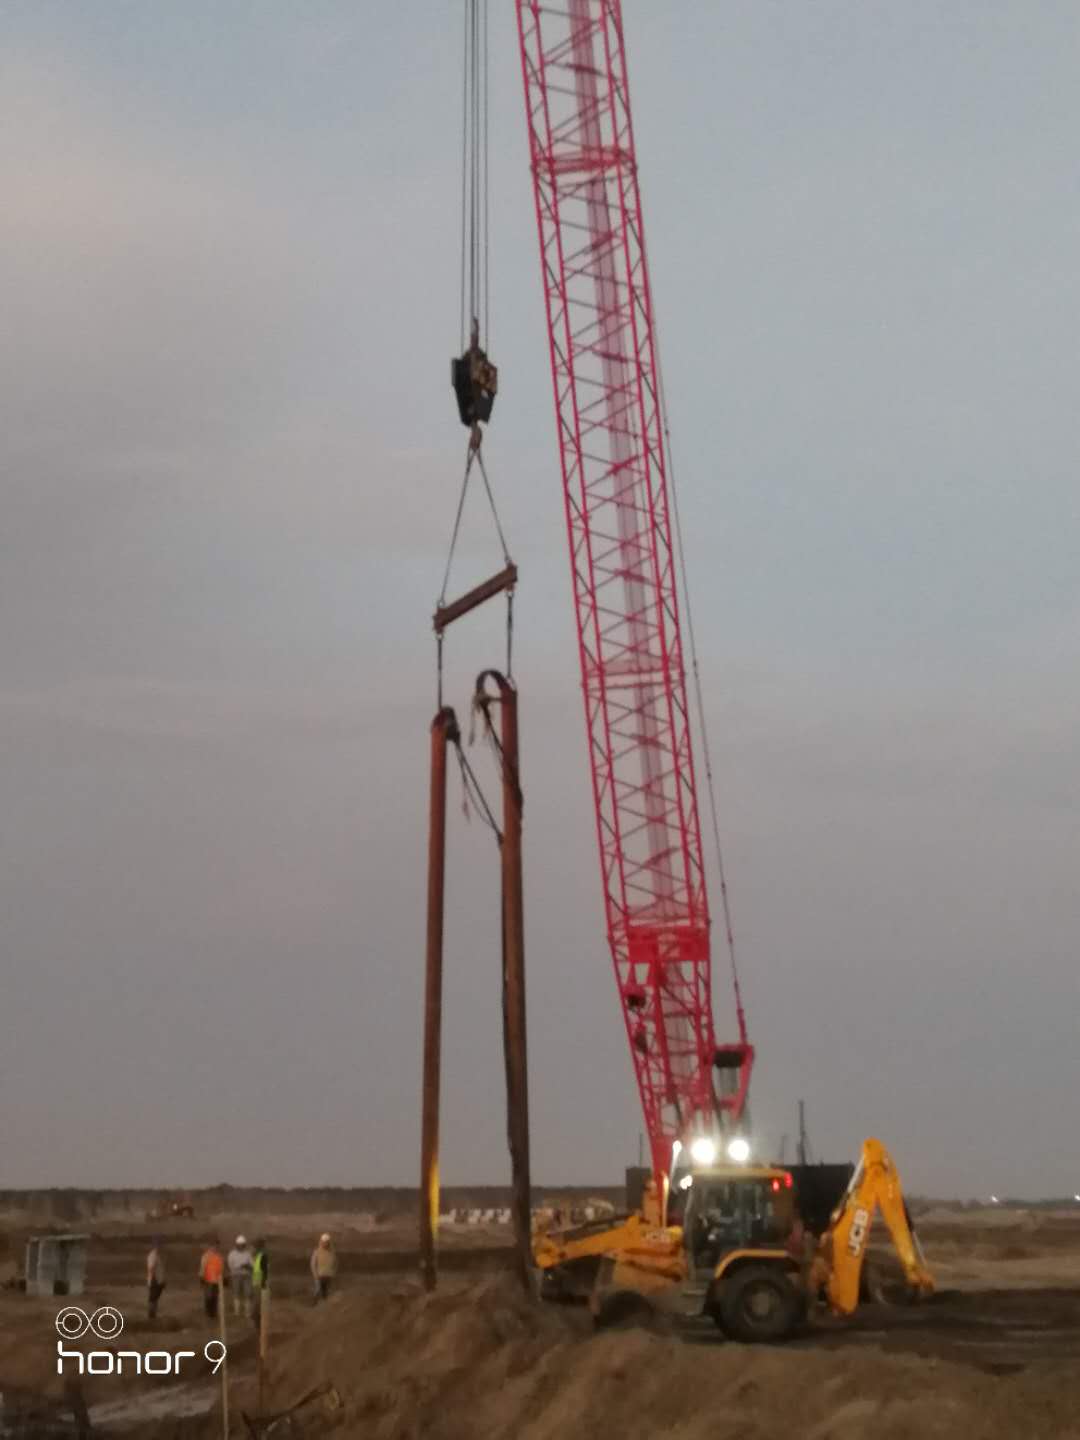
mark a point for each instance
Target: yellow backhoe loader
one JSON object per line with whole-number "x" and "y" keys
{"x": 739, "y": 1253}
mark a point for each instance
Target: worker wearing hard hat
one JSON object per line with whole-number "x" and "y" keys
{"x": 323, "y": 1267}
{"x": 240, "y": 1266}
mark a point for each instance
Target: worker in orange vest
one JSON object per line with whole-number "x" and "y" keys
{"x": 211, "y": 1269}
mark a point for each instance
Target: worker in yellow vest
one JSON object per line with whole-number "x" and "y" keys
{"x": 260, "y": 1278}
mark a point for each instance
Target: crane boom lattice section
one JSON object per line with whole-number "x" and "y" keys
{"x": 611, "y": 444}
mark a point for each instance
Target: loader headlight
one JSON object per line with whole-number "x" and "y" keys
{"x": 738, "y": 1150}
{"x": 703, "y": 1151}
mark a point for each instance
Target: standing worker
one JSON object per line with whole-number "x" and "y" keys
{"x": 211, "y": 1269}
{"x": 240, "y": 1277}
{"x": 260, "y": 1278}
{"x": 155, "y": 1276}
{"x": 323, "y": 1267}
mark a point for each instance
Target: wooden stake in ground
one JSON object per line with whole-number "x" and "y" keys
{"x": 264, "y": 1346}
{"x": 224, "y": 1360}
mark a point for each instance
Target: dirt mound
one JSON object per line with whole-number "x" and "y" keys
{"x": 482, "y": 1364}
{"x": 391, "y": 1352}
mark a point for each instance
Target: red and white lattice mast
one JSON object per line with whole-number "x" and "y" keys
{"x": 615, "y": 483}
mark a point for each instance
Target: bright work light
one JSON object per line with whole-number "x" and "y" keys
{"x": 703, "y": 1151}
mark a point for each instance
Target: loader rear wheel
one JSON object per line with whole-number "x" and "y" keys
{"x": 758, "y": 1303}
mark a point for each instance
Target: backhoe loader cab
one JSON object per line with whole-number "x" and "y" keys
{"x": 740, "y": 1244}
{"x": 730, "y": 1210}
{"x": 729, "y": 1252}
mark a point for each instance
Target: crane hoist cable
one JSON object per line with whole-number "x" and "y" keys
{"x": 475, "y": 230}
{"x": 472, "y": 789}
{"x": 710, "y": 783}
{"x": 474, "y": 454}
{"x": 472, "y": 375}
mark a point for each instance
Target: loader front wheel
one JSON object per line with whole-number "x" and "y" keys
{"x": 758, "y": 1303}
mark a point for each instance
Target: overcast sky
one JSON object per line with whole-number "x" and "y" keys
{"x": 230, "y": 460}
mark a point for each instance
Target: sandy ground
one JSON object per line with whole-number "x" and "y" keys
{"x": 996, "y": 1353}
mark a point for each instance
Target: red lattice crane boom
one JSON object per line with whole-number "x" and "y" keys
{"x": 611, "y": 445}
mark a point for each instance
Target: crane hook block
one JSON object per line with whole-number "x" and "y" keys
{"x": 475, "y": 381}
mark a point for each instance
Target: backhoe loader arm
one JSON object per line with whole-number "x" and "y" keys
{"x": 875, "y": 1186}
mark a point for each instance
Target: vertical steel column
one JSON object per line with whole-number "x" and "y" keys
{"x": 444, "y": 729}
{"x": 514, "y": 1020}
{"x": 517, "y": 1067}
